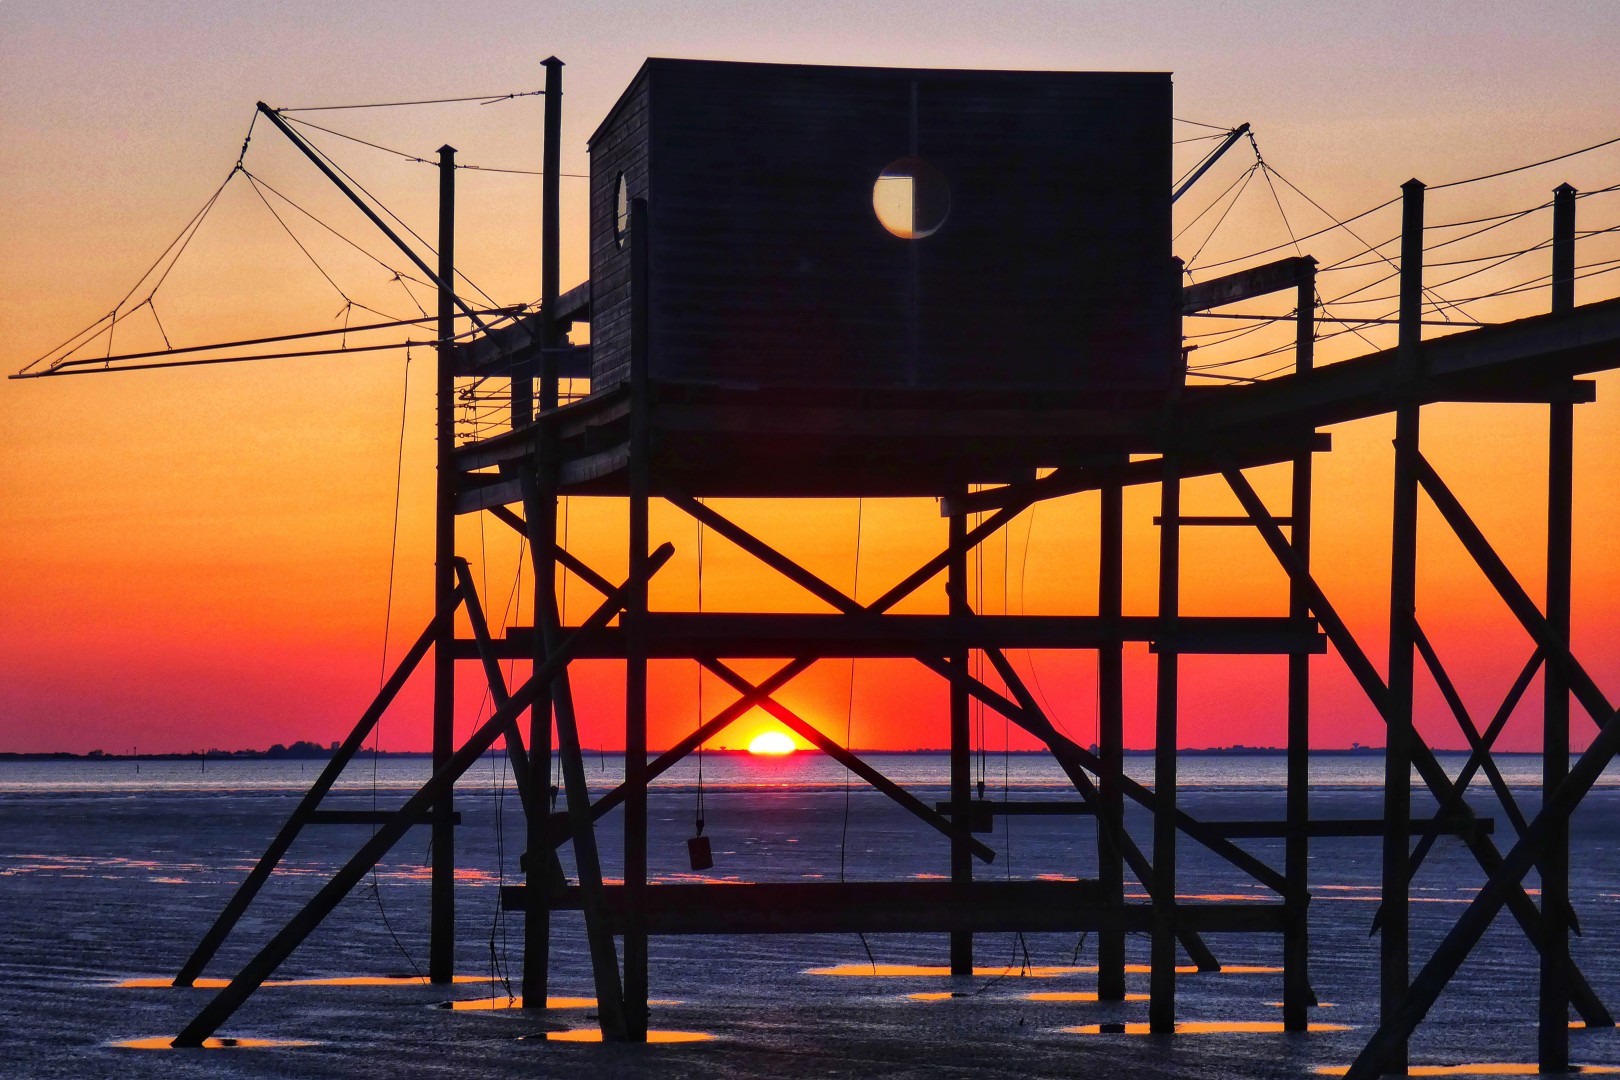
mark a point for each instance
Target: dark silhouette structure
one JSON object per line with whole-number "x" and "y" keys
{"x": 811, "y": 282}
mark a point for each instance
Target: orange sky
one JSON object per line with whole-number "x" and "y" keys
{"x": 200, "y": 558}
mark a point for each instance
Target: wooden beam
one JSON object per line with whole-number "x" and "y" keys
{"x": 1247, "y": 284}
{"x": 1348, "y": 827}
{"x": 245, "y": 892}
{"x": 761, "y": 635}
{"x": 812, "y": 735}
{"x": 362, "y": 817}
{"x": 264, "y": 963}
{"x": 901, "y": 907}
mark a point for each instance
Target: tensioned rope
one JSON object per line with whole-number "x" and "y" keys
{"x": 422, "y": 160}
{"x": 482, "y": 99}
{"x": 375, "y": 890}
{"x": 1390, "y": 202}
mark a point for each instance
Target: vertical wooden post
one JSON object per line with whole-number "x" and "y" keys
{"x": 1111, "y": 737}
{"x": 442, "y": 940}
{"x": 541, "y": 515}
{"x": 1162, "y": 961}
{"x": 1297, "y": 996}
{"x": 634, "y": 621}
{"x": 1394, "y": 945}
{"x": 956, "y": 595}
{"x": 1553, "y": 866}
{"x": 1162, "y": 954}
{"x": 550, "y": 241}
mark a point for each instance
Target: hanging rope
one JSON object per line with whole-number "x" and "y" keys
{"x": 482, "y": 99}
{"x": 849, "y": 714}
{"x": 375, "y": 890}
{"x": 700, "y": 712}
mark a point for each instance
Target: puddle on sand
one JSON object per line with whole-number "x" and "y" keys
{"x": 887, "y": 971}
{"x": 164, "y": 1042}
{"x": 1201, "y": 1027}
{"x": 494, "y": 1003}
{"x": 1078, "y": 995}
{"x": 934, "y": 971}
{"x": 594, "y": 1035}
{"x": 347, "y": 980}
{"x": 1494, "y": 1068}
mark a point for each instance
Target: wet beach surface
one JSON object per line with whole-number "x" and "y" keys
{"x": 101, "y": 885}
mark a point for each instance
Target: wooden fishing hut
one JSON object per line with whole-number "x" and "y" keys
{"x": 815, "y": 282}
{"x": 837, "y": 282}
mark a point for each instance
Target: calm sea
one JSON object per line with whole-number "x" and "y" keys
{"x": 806, "y": 770}
{"x": 109, "y": 874}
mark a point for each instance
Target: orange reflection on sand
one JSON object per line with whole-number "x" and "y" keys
{"x": 594, "y": 1035}
{"x": 346, "y": 980}
{"x": 166, "y": 1042}
{"x": 493, "y": 1003}
{"x": 1484, "y": 1068}
{"x": 933, "y": 971}
{"x": 1078, "y": 995}
{"x": 1201, "y": 1027}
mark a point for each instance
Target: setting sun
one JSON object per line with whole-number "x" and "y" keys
{"x": 771, "y": 742}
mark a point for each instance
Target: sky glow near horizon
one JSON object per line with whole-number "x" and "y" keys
{"x": 200, "y": 558}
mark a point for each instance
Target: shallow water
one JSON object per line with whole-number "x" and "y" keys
{"x": 105, "y": 878}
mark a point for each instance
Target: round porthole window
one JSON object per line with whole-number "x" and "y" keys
{"x": 621, "y": 210}
{"x": 911, "y": 198}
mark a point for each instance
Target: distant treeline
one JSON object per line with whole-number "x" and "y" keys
{"x": 302, "y": 750}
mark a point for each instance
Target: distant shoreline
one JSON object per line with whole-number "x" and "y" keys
{"x": 323, "y": 754}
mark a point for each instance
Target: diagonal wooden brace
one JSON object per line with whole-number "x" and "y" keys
{"x": 265, "y": 962}
{"x": 809, "y": 733}
{"x": 1038, "y": 724}
{"x": 1518, "y": 901}
{"x": 515, "y": 752}
{"x": 1143, "y": 796}
{"x": 245, "y": 892}
{"x": 1512, "y": 593}
{"x": 1504, "y": 883}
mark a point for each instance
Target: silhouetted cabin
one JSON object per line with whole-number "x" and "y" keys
{"x": 1023, "y": 243}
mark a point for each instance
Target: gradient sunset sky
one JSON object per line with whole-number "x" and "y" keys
{"x": 200, "y": 558}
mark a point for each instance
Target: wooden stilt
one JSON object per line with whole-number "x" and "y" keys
{"x": 1297, "y": 994}
{"x": 1553, "y": 1020}
{"x": 956, "y": 594}
{"x": 1162, "y": 957}
{"x": 1111, "y": 736}
{"x": 442, "y": 940}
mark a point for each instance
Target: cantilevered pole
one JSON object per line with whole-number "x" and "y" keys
{"x": 1111, "y": 737}
{"x": 956, "y": 598}
{"x": 1553, "y": 1020}
{"x": 1394, "y": 942}
{"x": 1297, "y": 995}
{"x": 365, "y": 208}
{"x": 442, "y": 939}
